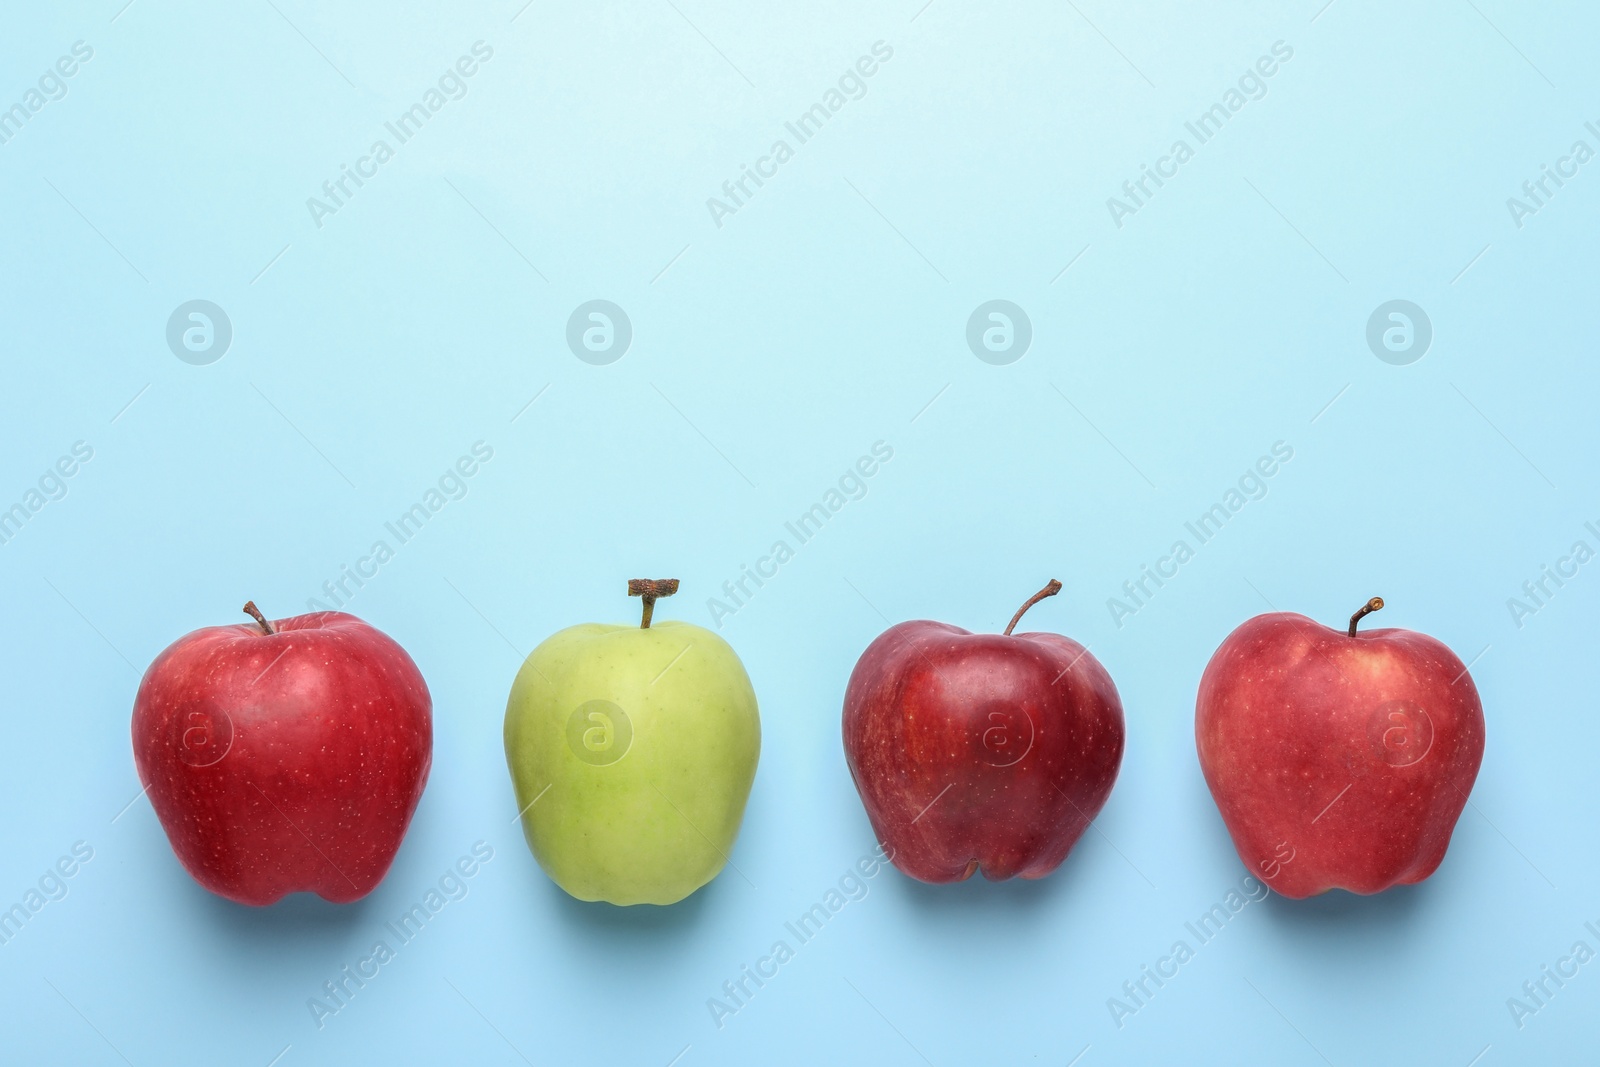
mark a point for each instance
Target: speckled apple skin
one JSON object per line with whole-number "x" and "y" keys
{"x": 285, "y": 762}
{"x": 980, "y": 752}
{"x": 1304, "y": 749}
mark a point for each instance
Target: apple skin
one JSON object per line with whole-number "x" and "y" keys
{"x": 1337, "y": 761}
{"x": 988, "y": 752}
{"x": 284, "y": 762}
{"x": 656, "y": 822}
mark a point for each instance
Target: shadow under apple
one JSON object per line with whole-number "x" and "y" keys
{"x": 643, "y": 928}
{"x": 1343, "y": 925}
{"x": 1340, "y": 916}
{"x": 296, "y": 917}
{"x": 1013, "y": 900}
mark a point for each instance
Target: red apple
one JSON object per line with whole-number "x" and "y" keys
{"x": 986, "y": 752}
{"x": 284, "y": 756}
{"x": 1338, "y": 759}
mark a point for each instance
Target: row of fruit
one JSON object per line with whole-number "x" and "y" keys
{"x": 290, "y": 756}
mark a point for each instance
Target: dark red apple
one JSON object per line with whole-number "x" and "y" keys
{"x": 1338, "y": 759}
{"x": 285, "y": 756}
{"x": 986, "y": 752}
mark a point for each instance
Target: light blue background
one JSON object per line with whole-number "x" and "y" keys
{"x": 768, "y": 354}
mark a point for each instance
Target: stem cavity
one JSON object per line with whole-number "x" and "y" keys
{"x": 1050, "y": 590}
{"x": 1375, "y": 604}
{"x": 649, "y": 589}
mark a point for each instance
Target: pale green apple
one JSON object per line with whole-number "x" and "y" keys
{"x": 632, "y": 750}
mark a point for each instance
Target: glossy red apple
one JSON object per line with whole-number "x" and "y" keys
{"x": 1339, "y": 759}
{"x": 986, "y": 752}
{"x": 285, "y": 756}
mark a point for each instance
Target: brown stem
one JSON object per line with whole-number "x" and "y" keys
{"x": 1050, "y": 590}
{"x": 255, "y": 613}
{"x": 650, "y": 589}
{"x": 1375, "y": 604}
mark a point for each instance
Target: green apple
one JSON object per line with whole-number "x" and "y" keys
{"x": 632, "y": 750}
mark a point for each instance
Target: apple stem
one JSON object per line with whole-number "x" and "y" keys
{"x": 649, "y": 589}
{"x": 255, "y": 613}
{"x": 1050, "y": 590}
{"x": 1375, "y": 604}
